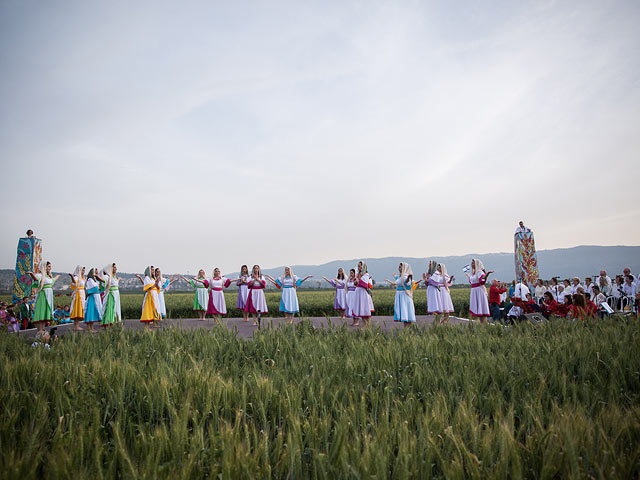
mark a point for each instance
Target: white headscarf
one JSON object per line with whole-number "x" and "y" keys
{"x": 161, "y": 280}
{"x": 290, "y": 274}
{"x": 364, "y": 267}
{"x": 432, "y": 267}
{"x": 443, "y": 271}
{"x": 406, "y": 269}
{"x": 42, "y": 267}
{"x": 147, "y": 272}
{"x": 478, "y": 264}
{"x": 78, "y": 271}
{"x": 108, "y": 269}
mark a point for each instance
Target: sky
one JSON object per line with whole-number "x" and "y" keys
{"x": 198, "y": 134}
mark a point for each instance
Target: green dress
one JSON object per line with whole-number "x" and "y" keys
{"x": 44, "y": 301}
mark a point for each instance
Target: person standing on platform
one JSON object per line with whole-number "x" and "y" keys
{"x": 256, "y": 302}
{"x": 217, "y": 304}
{"x": 150, "y": 311}
{"x": 403, "y": 308}
{"x": 445, "y": 293}
{"x": 433, "y": 280}
{"x": 93, "y": 307}
{"x": 43, "y": 311}
{"x": 201, "y": 298}
{"x": 340, "y": 284}
{"x": 243, "y": 291}
{"x": 363, "y": 303}
{"x": 288, "y": 282}
{"x": 478, "y": 303}
{"x": 77, "y": 297}
{"x": 351, "y": 291}
{"x": 111, "y": 311}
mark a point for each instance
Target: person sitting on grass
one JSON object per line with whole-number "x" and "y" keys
{"x": 67, "y": 314}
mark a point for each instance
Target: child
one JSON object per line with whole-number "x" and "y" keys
{"x": 12, "y": 322}
{"x": 58, "y": 314}
{"x": 67, "y": 314}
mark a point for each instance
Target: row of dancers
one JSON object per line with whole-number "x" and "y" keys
{"x": 96, "y": 299}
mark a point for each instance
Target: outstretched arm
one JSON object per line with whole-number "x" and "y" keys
{"x": 305, "y": 278}
{"x": 389, "y": 281}
{"x": 270, "y": 278}
{"x": 140, "y": 278}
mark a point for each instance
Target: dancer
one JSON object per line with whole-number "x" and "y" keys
{"x": 403, "y": 308}
{"x": 340, "y": 284}
{"x": 256, "y": 303}
{"x": 217, "y": 304}
{"x": 445, "y": 294}
{"x": 478, "y": 303}
{"x": 150, "y": 312}
{"x": 77, "y": 297}
{"x": 243, "y": 291}
{"x": 288, "y": 282}
{"x": 433, "y": 280}
{"x": 363, "y": 303}
{"x": 201, "y": 298}
{"x": 351, "y": 292}
{"x": 163, "y": 286}
{"x": 43, "y": 311}
{"x": 93, "y": 307}
{"x": 111, "y": 310}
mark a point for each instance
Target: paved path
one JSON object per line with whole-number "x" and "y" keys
{"x": 246, "y": 329}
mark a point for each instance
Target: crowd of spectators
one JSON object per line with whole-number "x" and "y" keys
{"x": 570, "y": 298}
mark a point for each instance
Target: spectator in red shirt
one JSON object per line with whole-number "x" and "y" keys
{"x": 578, "y": 310}
{"x": 549, "y": 305}
{"x": 495, "y": 291}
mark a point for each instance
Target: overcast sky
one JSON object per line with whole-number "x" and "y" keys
{"x": 199, "y": 134}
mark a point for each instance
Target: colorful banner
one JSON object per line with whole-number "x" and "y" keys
{"x": 29, "y": 256}
{"x": 525, "y": 257}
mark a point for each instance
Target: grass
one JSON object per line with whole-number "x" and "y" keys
{"x": 559, "y": 400}
{"x": 313, "y": 303}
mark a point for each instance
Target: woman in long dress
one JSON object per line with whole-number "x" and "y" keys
{"x": 403, "y": 308}
{"x": 43, "y": 311}
{"x": 150, "y": 311}
{"x": 163, "y": 286}
{"x": 111, "y": 311}
{"x": 351, "y": 295}
{"x": 433, "y": 280}
{"x": 243, "y": 291}
{"x": 93, "y": 307}
{"x": 445, "y": 293}
{"x": 201, "y": 298}
{"x": 288, "y": 282}
{"x": 256, "y": 302}
{"x": 217, "y": 304}
{"x": 362, "y": 302}
{"x": 77, "y": 297}
{"x": 340, "y": 284}
{"x": 478, "y": 302}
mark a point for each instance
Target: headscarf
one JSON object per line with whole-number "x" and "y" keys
{"x": 147, "y": 272}
{"x": 364, "y": 267}
{"x": 406, "y": 271}
{"x": 259, "y": 271}
{"x": 92, "y": 274}
{"x": 42, "y": 267}
{"x": 478, "y": 264}
{"x": 432, "y": 267}
{"x": 108, "y": 270}
{"x": 443, "y": 271}
{"x": 161, "y": 280}
{"x": 78, "y": 271}
{"x": 284, "y": 274}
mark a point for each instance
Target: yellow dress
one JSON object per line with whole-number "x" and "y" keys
{"x": 77, "y": 300}
{"x": 149, "y": 309}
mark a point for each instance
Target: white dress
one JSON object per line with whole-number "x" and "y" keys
{"x": 243, "y": 292}
{"x": 340, "y": 302}
{"x": 256, "y": 302}
{"x": 289, "y": 298}
{"x": 445, "y": 294}
{"x": 217, "y": 303}
{"x": 478, "y": 302}
{"x": 351, "y": 296}
{"x": 434, "y": 299}
{"x": 362, "y": 302}
{"x": 162, "y": 307}
{"x": 115, "y": 291}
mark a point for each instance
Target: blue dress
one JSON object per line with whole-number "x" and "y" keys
{"x": 93, "y": 307}
{"x": 403, "y": 308}
{"x": 289, "y": 299}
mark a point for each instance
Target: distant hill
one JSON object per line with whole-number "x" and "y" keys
{"x": 579, "y": 261}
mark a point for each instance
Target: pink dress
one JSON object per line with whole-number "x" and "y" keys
{"x": 362, "y": 302}
{"x": 217, "y": 304}
{"x": 255, "y": 300}
{"x": 478, "y": 303}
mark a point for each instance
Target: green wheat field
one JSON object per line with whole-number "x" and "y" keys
{"x": 559, "y": 400}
